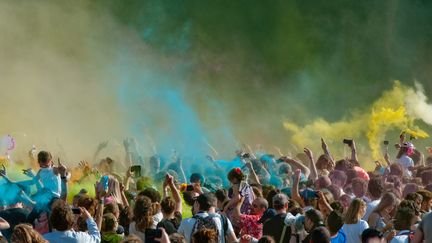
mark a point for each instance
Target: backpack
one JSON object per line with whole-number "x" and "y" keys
{"x": 208, "y": 223}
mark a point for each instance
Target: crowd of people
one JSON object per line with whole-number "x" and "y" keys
{"x": 254, "y": 198}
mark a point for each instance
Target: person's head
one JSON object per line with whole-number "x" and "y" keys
{"x": 359, "y": 187}
{"x": 335, "y": 191}
{"x": 143, "y": 213}
{"x": 205, "y": 202}
{"x": 61, "y": 217}
{"x": 222, "y": 197}
{"x": 259, "y": 206}
{"x": 196, "y": 178}
{"x": 355, "y": 211}
{"x": 266, "y": 239}
{"x": 406, "y": 148}
{"x": 285, "y": 170}
{"x": 405, "y": 217}
{"x": 131, "y": 239}
{"x": 416, "y": 198}
{"x": 112, "y": 208}
{"x": 235, "y": 176}
{"x": 427, "y": 200}
{"x": 109, "y": 223}
{"x": 313, "y": 219}
{"x": 24, "y": 233}
{"x": 409, "y": 188}
{"x": 338, "y": 178}
{"x": 343, "y": 165}
{"x": 322, "y": 162}
{"x": 345, "y": 201}
{"x": 387, "y": 204}
{"x": 426, "y": 177}
{"x": 88, "y": 203}
{"x": 177, "y": 238}
{"x": 151, "y": 193}
{"x": 320, "y": 235}
{"x": 270, "y": 196}
{"x": 44, "y": 159}
{"x": 167, "y": 206}
{"x": 396, "y": 170}
{"x": 334, "y": 222}
{"x": 375, "y": 188}
{"x": 322, "y": 182}
{"x": 205, "y": 235}
{"x": 372, "y": 236}
{"x": 280, "y": 202}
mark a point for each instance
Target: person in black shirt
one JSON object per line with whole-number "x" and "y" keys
{"x": 275, "y": 226}
{"x": 171, "y": 207}
{"x": 14, "y": 215}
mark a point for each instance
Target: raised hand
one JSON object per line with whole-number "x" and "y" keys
{"x": 308, "y": 153}
{"x": 324, "y": 145}
{"x": 62, "y": 169}
{"x": 3, "y": 171}
{"x": 28, "y": 172}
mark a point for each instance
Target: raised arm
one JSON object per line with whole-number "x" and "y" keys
{"x": 313, "y": 170}
{"x": 353, "y": 151}
{"x": 326, "y": 151}
{"x": 295, "y": 189}
{"x": 175, "y": 193}
{"x": 253, "y": 178}
{"x": 297, "y": 164}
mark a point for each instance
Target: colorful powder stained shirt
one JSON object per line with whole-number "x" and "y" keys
{"x": 249, "y": 225}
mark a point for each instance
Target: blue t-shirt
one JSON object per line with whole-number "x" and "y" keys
{"x": 339, "y": 238}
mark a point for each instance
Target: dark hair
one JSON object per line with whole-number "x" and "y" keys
{"x": 315, "y": 216}
{"x": 205, "y": 235}
{"x": 108, "y": 222}
{"x": 61, "y": 217}
{"x": 266, "y": 239}
{"x": 151, "y": 193}
{"x": 270, "y": 196}
{"x": 427, "y": 195}
{"x": 189, "y": 198}
{"x": 236, "y": 173}
{"x": 221, "y": 195}
{"x": 167, "y": 205}
{"x": 403, "y": 218}
{"x": 426, "y": 177}
{"x": 375, "y": 187}
{"x": 343, "y": 165}
{"x": 206, "y": 201}
{"x": 337, "y": 206}
{"x": 370, "y": 233}
{"x": 196, "y": 177}
{"x": 44, "y": 157}
{"x": 334, "y": 222}
{"x": 320, "y": 235}
{"x": 111, "y": 208}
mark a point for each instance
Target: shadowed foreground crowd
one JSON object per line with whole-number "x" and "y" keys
{"x": 254, "y": 198}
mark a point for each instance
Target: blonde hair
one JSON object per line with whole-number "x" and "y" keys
{"x": 24, "y": 233}
{"x": 352, "y": 215}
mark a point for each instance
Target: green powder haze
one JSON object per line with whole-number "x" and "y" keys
{"x": 241, "y": 67}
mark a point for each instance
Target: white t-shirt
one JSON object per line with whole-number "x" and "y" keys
{"x": 370, "y": 207}
{"x": 353, "y": 231}
{"x": 401, "y": 237}
{"x": 186, "y": 227}
{"x": 406, "y": 163}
